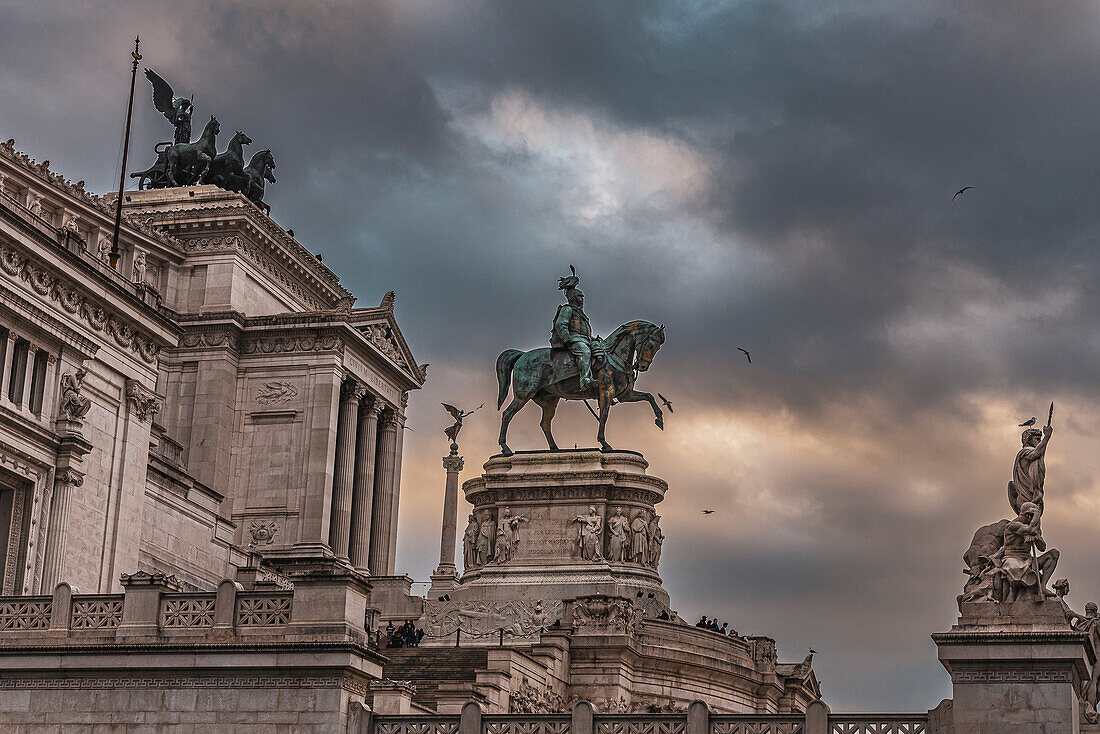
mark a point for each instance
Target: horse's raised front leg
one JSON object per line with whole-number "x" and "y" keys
{"x": 549, "y": 405}
{"x": 635, "y": 396}
{"x": 505, "y": 419}
{"x": 605, "y": 407}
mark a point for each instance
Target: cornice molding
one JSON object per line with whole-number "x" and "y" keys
{"x": 67, "y": 294}
{"x": 42, "y": 172}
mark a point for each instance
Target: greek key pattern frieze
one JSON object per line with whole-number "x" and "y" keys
{"x": 189, "y": 612}
{"x": 96, "y": 614}
{"x": 641, "y": 726}
{"x": 174, "y": 681}
{"x": 25, "y": 614}
{"x": 263, "y": 611}
{"x": 529, "y": 726}
{"x": 758, "y": 725}
{"x": 431, "y": 726}
{"x": 878, "y": 725}
{"x": 1012, "y": 676}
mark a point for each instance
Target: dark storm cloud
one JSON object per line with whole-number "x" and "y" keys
{"x": 776, "y": 175}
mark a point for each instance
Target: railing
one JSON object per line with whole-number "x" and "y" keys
{"x": 25, "y": 613}
{"x": 696, "y": 720}
{"x": 187, "y": 610}
{"x": 96, "y": 612}
{"x": 263, "y": 608}
{"x": 169, "y": 450}
{"x": 758, "y": 724}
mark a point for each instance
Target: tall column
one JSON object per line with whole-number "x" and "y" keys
{"x": 344, "y": 472}
{"x": 383, "y": 495}
{"x": 395, "y": 493}
{"x": 57, "y": 530}
{"x": 445, "y": 575}
{"x": 362, "y": 503}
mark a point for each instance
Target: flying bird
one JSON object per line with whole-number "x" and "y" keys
{"x": 708, "y": 512}
{"x": 964, "y": 188}
{"x": 666, "y": 402}
{"x": 1029, "y": 422}
{"x": 746, "y": 351}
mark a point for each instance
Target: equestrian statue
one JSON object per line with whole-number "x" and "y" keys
{"x": 185, "y": 163}
{"x": 578, "y": 366}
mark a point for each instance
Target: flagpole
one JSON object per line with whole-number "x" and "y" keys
{"x": 115, "y": 253}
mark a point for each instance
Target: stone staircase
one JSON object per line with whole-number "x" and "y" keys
{"x": 427, "y": 667}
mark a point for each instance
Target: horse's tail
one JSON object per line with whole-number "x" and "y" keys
{"x": 505, "y": 362}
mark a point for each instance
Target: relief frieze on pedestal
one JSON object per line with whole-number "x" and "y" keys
{"x": 517, "y": 617}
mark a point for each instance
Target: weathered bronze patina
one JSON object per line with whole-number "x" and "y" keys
{"x": 578, "y": 367}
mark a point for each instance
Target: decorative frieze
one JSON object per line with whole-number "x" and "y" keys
{"x": 68, "y": 296}
{"x": 210, "y": 338}
{"x": 276, "y": 391}
{"x": 614, "y": 613}
{"x": 517, "y": 617}
{"x": 284, "y": 344}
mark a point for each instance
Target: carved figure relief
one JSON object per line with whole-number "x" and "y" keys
{"x": 590, "y": 539}
{"x": 469, "y": 543}
{"x": 656, "y": 540}
{"x": 617, "y": 527}
{"x": 276, "y": 391}
{"x": 517, "y": 617}
{"x": 103, "y": 247}
{"x": 527, "y": 699}
{"x": 138, "y": 274}
{"x": 486, "y": 537}
{"x": 381, "y": 336}
{"x": 74, "y": 405}
{"x": 508, "y": 535}
{"x": 615, "y": 613}
{"x": 639, "y": 538}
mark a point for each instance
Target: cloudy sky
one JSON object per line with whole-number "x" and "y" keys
{"x": 773, "y": 175}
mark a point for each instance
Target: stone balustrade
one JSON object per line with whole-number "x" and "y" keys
{"x": 584, "y": 719}
{"x": 66, "y": 614}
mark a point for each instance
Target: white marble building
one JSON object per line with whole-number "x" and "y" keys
{"x": 236, "y": 398}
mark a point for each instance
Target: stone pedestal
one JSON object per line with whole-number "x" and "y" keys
{"x": 1015, "y": 668}
{"x": 533, "y": 507}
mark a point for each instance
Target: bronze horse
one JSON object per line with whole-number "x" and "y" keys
{"x": 193, "y": 159}
{"x": 227, "y": 169}
{"x": 548, "y": 375}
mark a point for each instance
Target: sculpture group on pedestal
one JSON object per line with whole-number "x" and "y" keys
{"x": 1009, "y": 560}
{"x": 637, "y": 540}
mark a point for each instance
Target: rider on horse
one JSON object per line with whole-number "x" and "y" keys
{"x": 572, "y": 330}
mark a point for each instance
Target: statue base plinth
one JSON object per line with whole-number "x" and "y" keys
{"x": 532, "y": 505}
{"x": 1016, "y": 662}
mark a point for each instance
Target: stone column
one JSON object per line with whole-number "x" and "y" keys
{"x": 362, "y": 503}
{"x": 7, "y": 367}
{"x": 383, "y": 500}
{"x": 57, "y": 530}
{"x": 28, "y": 376}
{"x": 445, "y": 575}
{"x": 395, "y": 502}
{"x": 344, "y": 472}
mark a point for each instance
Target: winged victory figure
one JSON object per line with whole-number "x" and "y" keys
{"x": 458, "y": 415}
{"x": 177, "y": 109}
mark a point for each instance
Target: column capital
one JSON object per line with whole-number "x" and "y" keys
{"x": 144, "y": 402}
{"x": 389, "y": 419}
{"x": 69, "y": 476}
{"x": 352, "y": 391}
{"x": 371, "y": 404}
{"x": 453, "y": 463}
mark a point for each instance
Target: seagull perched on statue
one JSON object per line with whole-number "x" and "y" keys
{"x": 1029, "y": 422}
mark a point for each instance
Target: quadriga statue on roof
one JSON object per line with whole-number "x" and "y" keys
{"x": 578, "y": 366}
{"x": 183, "y": 163}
